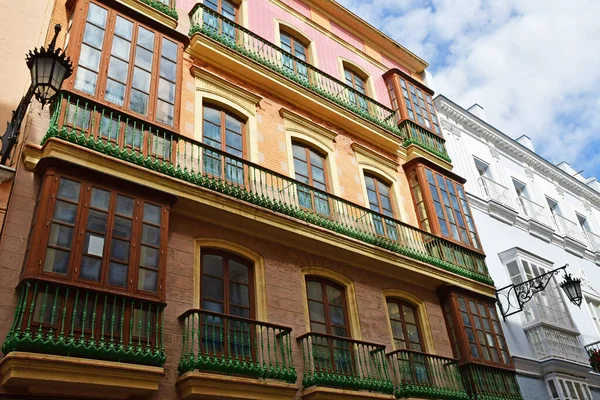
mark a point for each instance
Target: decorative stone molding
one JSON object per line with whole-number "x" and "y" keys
{"x": 502, "y": 212}
{"x": 293, "y": 122}
{"x": 530, "y": 173}
{"x": 494, "y": 151}
{"x": 587, "y": 205}
{"x": 207, "y": 82}
{"x": 560, "y": 190}
{"x": 368, "y": 157}
{"x": 539, "y": 230}
{"x": 574, "y": 246}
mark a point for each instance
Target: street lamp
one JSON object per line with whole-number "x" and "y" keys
{"x": 523, "y": 292}
{"x": 49, "y": 68}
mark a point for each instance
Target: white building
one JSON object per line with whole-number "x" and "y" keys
{"x": 533, "y": 217}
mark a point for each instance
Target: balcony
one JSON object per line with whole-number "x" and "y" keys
{"x": 217, "y": 344}
{"x": 533, "y": 210}
{"x": 487, "y": 383}
{"x": 421, "y": 375}
{"x": 549, "y": 342}
{"x": 492, "y": 190}
{"x": 163, "y": 11}
{"x": 107, "y": 131}
{"x": 593, "y": 350}
{"x": 568, "y": 228}
{"x": 593, "y": 240}
{"x": 59, "y": 327}
{"x": 344, "y": 363}
{"x": 213, "y": 25}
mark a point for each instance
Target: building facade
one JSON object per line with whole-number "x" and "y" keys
{"x": 533, "y": 217}
{"x": 241, "y": 200}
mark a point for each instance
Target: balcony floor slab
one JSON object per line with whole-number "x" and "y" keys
{"x": 45, "y": 374}
{"x": 324, "y": 393}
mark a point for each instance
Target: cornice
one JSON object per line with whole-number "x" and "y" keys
{"x": 366, "y": 156}
{"x": 508, "y": 145}
{"x": 296, "y": 123}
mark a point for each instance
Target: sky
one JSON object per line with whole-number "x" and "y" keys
{"x": 533, "y": 65}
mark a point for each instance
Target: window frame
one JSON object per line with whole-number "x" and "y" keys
{"x": 324, "y": 282}
{"x": 561, "y": 385}
{"x": 403, "y": 303}
{"x": 355, "y": 73}
{"x": 294, "y": 38}
{"x": 594, "y": 315}
{"x": 223, "y": 128}
{"x": 79, "y": 16}
{"x": 236, "y": 7}
{"x": 432, "y": 218}
{"x": 226, "y": 256}
{"x": 42, "y": 225}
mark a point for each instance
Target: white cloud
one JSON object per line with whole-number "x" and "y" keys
{"x": 533, "y": 65}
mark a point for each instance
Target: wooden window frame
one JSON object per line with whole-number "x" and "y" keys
{"x": 392, "y": 79}
{"x": 452, "y": 311}
{"x": 41, "y": 228}
{"x": 226, "y": 256}
{"x": 400, "y": 303}
{"x": 79, "y": 15}
{"x": 388, "y": 225}
{"x": 354, "y": 73}
{"x": 324, "y": 283}
{"x": 236, "y": 8}
{"x": 377, "y": 180}
{"x": 419, "y": 168}
{"x": 308, "y": 148}
{"x": 223, "y": 128}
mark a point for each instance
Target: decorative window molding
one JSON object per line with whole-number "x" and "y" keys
{"x": 221, "y": 92}
{"x": 566, "y": 388}
{"x": 260, "y": 297}
{"x": 298, "y": 128}
{"x": 422, "y": 319}
{"x": 350, "y": 292}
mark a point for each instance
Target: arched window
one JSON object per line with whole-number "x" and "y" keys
{"x": 357, "y": 81}
{"x": 327, "y": 308}
{"x": 226, "y": 132}
{"x": 297, "y": 48}
{"x": 379, "y": 194}
{"x": 226, "y": 283}
{"x": 310, "y": 168}
{"x": 406, "y": 331}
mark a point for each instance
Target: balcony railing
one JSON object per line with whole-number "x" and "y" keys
{"x": 102, "y": 129}
{"x": 593, "y": 240}
{"x": 233, "y": 345}
{"x": 422, "y": 375}
{"x": 493, "y": 190}
{"x": 488, "y": 383}
{"x": 593, "y": 350}
{"x": 223, "y": 30}
{"x": 549, "y": 342}
{"x": 67, "y": 320}
{"x": 534, "y": 210}
{"x": 166, "y": 7}
{"x": 568, "y": 228}
{"x": 420, "y": 136}
{"x": 344, "y": 363}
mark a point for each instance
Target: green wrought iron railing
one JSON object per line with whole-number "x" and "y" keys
{"x": 345, "y": 363}
{"x": 416, "y": 134}
{"x": 234, "y": 345}
{"x": 223, "y": 30}
{"x": 58, "y": 319}
{"x": 487, "y": 383}
{"x": 108, "y": 131}
{"x": 166, "y": 7}
{"x": 593, "y": 350}
{"x": 417, "y": 374}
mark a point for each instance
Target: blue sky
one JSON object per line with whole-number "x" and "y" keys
{"x": 534, "y": 65}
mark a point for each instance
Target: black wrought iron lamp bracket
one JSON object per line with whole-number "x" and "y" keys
{"x": 523, "y": 292}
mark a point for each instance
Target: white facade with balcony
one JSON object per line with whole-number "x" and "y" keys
{"x": 532, "y": 217}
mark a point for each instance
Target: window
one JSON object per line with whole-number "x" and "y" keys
{"x": 226, "y": 285}
{"x": 309, "y": 168}
{"x": 298, "y": 49}
{"x": 564, "y": 389}
{"x": 520, "y": 188}
{"x": 594, "y": 308}
{"x": 415, "y": 103}
{"x": 441, "y": 205}
{"x": 405, "y": 325}
{"x": 548, "y": 305}
{"x": 380, "y": 200}
{"x": 475, "y": 330}
{"x": 483, "y": 168}
{"x": 117, "y": 59}
{"x": 553, "y": 205}
{"x": 225, "y": 132}
{"x": 225, "y": 8}
{"x": 357, "y": 82}
{"x": 101, "y": 236}
{"x": 327, "y": 307}
{"x": 583, "y": 223}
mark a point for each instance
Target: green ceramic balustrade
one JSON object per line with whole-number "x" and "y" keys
{"x": 344, "y": 363}
{"x": 422, "y": 375}
{"x": 233, "y": 345}
{"x": 593, "y": 350}
{"x": 58, "y": 319}
{"x": 214, "y": 25}
{"x": 107, "y": 131}
{"x": 416, "y": 134}
{"x": 166, "y": 7}
{"x": 488, "y": 383}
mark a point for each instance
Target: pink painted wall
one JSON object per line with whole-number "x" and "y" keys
{"x": 261, "y": 20}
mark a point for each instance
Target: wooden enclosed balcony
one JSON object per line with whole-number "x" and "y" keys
{"x": 593, "y": 350}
